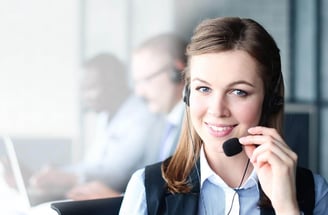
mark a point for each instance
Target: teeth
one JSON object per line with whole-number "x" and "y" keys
{"x": 219, "y": 128}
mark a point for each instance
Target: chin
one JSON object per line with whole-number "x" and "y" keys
{"x": 153, "y": 109}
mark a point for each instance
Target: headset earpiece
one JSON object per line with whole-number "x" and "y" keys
{"x": 186, "y": 95}
{"x": 275, "y": 104}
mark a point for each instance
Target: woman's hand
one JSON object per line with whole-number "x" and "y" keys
{"x": 275, "y": 165}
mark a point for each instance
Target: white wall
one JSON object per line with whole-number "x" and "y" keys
{"x": 117, "y": 26}
{"x": 39, "y": 58}
{"x": 105, "y": 27}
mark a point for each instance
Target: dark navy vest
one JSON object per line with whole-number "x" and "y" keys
{"x": 162, "y": 202}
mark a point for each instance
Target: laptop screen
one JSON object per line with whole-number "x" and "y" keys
{"x": 12, "y": 170}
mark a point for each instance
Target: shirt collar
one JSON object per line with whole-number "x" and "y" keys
{"x": 208, "y": 174}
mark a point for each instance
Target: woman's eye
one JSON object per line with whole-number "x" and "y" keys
{"x": 239, "y": 92}
{"x": 203, "y": 89}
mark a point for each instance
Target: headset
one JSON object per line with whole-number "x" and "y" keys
{"x": 186, "y": 94}
{"x": 275, "y": 101}
{"x": 272, "y": 103}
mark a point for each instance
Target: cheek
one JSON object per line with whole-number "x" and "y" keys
{"x": 197, "y": 111}
{"x": 162, "y": 84}
{"x": 254, "y": 110}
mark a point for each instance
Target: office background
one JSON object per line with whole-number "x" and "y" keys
{"x": 43, "y": 43}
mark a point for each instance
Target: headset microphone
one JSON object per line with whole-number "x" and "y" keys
{"x": 232, "y": 147}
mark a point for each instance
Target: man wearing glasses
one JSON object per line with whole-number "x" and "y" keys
{"x": 157, "y": 67}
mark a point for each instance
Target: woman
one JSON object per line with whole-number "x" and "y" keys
{"x": 234, "y": 90}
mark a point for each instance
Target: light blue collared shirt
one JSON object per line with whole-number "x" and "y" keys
{"x": 216, "y": 197}
{"x": 174, "y": 119}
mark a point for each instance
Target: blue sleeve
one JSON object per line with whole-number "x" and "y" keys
{"x": 134, "y": 201}
{"x": 321, "y": 195}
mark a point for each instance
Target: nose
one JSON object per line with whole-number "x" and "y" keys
{"x": 218, "y": 106}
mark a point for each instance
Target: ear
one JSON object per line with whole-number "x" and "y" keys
{"x": 179, "y": 65}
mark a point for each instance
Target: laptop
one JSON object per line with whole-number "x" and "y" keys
{"x": 30, "y": 196}
{"x": 13, "y": 165}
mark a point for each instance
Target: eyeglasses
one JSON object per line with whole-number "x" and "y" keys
{"x": 155, "y": 74}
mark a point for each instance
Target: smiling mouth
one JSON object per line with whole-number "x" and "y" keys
{"x": 220, "y": 128}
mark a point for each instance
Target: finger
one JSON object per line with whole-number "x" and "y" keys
{"x": 270, "y": 154}
{"x": 273, "y": 148}
{"x": 285, "y": 153}
{"x": 281, "y": 173}
{"x": 249, "y": 149}
{"x": 268, "y": 140}
{"x": 269, "y": 145}
{"x": 265, "y": 131}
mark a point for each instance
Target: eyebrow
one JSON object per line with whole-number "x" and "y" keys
{"x": 200, "y": 80}
{"x": 231, "y": 84}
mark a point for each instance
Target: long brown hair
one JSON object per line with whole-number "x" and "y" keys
{"x": 218, "y": 35}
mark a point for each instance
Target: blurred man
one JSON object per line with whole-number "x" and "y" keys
{"x": 156, "y": 72}
{"x": 103, "y": 84}
{"x": 121, "y": 136}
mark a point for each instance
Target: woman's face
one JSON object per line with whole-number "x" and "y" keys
{"x": 226, "y": 96}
